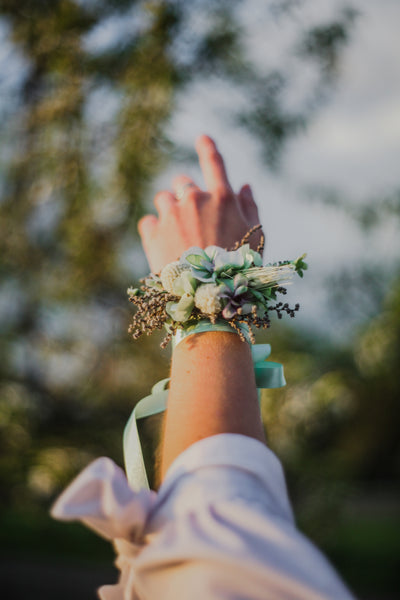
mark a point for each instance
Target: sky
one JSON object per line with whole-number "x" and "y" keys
{"x": 352, "y": 145}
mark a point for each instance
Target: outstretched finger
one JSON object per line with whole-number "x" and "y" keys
{"x": 165, "y": 202}
{"x": 212, "y": 165}
{"x": 146, "y": 226}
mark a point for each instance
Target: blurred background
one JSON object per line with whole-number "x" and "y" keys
{"x": 100, "y": 104}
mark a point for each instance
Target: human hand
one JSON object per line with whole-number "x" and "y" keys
{"x": 193, "y": 217}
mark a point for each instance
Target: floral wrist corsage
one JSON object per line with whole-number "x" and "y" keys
{"x": 213, "y": 284}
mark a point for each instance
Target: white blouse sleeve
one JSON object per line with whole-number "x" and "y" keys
{"x": 220, "y": 528}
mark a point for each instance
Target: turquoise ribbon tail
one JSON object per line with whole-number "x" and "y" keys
{"x": 269, "y": 375}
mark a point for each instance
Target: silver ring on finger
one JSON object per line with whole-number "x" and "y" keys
{"x": 182, "y": 189}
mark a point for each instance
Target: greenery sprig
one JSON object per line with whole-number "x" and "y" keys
{"x": 214, "y": 284}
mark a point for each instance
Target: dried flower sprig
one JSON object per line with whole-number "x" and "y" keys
{"x": 214, "y": 284}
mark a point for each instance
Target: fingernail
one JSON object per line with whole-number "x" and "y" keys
{"x": 208, "y": 140}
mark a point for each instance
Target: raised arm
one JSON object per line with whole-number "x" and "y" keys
{"x": 212, "y": 380}
{"x": 220, "y": 525}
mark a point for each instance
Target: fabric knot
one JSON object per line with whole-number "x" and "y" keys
{"x": 102, "y": 499}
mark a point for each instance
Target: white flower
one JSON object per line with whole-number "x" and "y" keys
{"x": 170, "y": 273}
{"x": 184, "y": 284}
{"x": 207, "y": 299}
{"x": 181, "y": 311}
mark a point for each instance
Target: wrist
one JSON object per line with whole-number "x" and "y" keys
{"x": 214, "y": 359}
{"x": 204, "y": 326}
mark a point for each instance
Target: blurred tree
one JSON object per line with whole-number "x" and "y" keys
{"x": 87, "y": 91}
{"x": 336, "y": 424}
{"x": 83, "y": 133}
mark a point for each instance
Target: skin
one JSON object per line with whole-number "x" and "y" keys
{"x": 214, "y": 216}
{"x": 202, "y": 217}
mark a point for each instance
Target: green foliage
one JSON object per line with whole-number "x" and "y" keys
{"x": 325, "y": 42}
{"x": 83, "y": 133}
{"x": 300, "y": 265}
{"x": 340, "y": 410}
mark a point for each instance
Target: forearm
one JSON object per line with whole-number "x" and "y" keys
{"x": 212, "y": 380}
{"x": 212, "y": 391}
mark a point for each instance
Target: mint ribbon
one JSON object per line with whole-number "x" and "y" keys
{"x": 268, "y": 375}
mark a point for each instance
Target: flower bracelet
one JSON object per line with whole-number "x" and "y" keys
{"x": 214, "y": 285}
{"x": 207, "y": 290}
